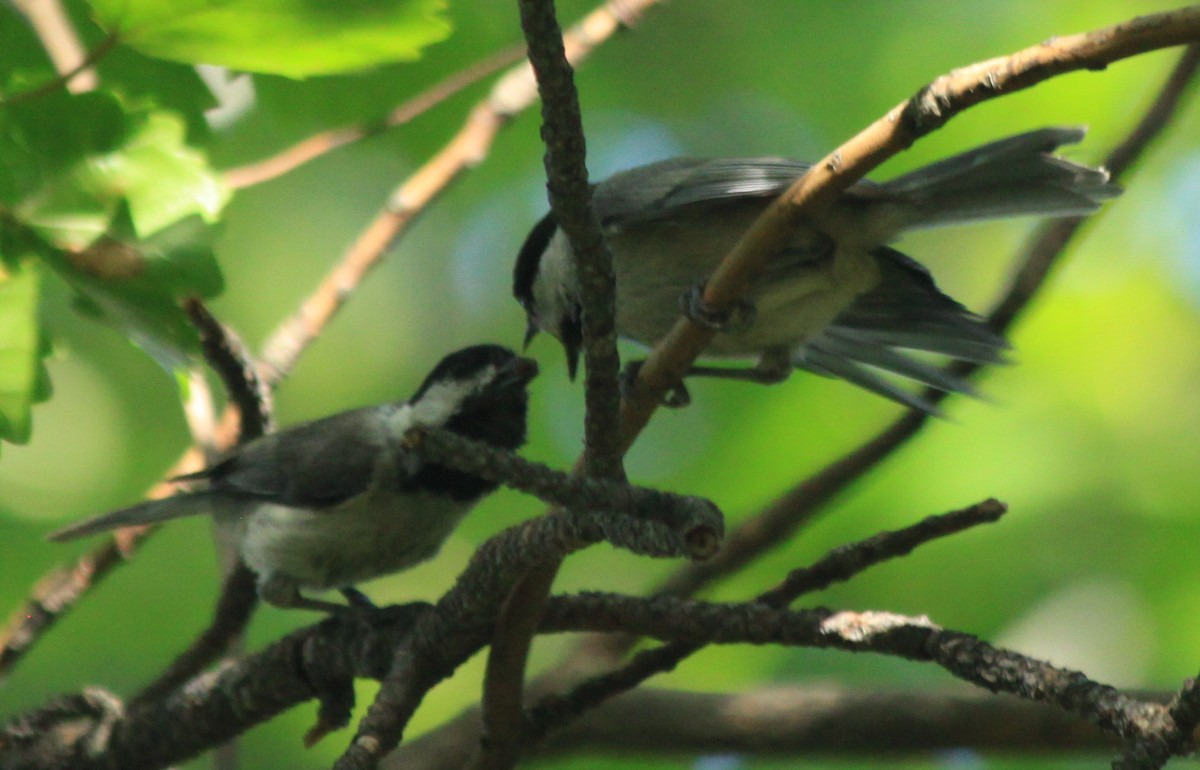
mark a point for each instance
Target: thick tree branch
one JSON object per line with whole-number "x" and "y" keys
{"x": 443, "y": 638}
{"x": 839, "y": 565}
{"x": 91, "y": 732}
{"x": 962, "y": 655}
{"x": 571, "y": 202}
{"x": 790, "y": 721}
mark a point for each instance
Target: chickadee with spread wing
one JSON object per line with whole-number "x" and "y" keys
{"x": 337, "y": 501}
{"x": 836, "y": 301}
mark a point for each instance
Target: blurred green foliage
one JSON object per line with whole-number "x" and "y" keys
{"x": 1091, "y": 436}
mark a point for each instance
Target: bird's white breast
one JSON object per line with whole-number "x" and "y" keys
{"x": 350, "y": 543}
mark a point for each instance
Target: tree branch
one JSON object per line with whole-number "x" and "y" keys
{"x": 325, "y": 142}
{"x": 94, "y": 731}
{"x": 571, "y": 203}
{"x": 790, "y": 721}
{"x": 681, "y": 524}
{"x": 88, "y": 61}
{"x": 443, "y": 638}
{"x": 838, "y": 565}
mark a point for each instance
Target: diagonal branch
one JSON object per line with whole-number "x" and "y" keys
{"x": 908, "y": 121}
{"x": 327, "y": 141}
{"x": 52, "y": 23}
{"x": 88, "y": 61}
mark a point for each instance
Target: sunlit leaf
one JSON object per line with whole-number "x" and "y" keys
{"x": 117, "y": 203}
{"x": 285, "y": 37}
{"x": 76, "y": 159}
{"x": 163, "y": 179}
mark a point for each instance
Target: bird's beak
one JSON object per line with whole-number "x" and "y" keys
{"x": 520, "y": 371}
{"x": 531, "y": 330}
{"x": 572, "y": 350}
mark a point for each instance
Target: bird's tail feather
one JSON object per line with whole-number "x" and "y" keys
{"x": 148, "y": 512}
{"x": 904, "y": 312}
{"x": 1012, "y": 177}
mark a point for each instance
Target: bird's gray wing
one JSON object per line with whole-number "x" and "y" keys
{"x": 314, "y": 465}
{"x": 654, "y": 191}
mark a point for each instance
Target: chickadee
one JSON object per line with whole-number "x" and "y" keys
{"x": 333, "y": 502}
{"x": 836, "y": 300}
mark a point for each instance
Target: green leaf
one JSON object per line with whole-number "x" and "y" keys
{"x": 163, "y": 179}
{"x": 23, "y": 378}
{"x": 75, "y": 159}
{"x": 137, "y": 284}
{"x": 297, "y": 38}
{"x": 117, "y": 204}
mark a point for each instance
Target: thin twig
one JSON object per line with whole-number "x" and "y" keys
{"x": 327, "y": 141}
{"x": 89, "y": 60}
{"x": 58, "y": 37}
{"x": 232, "y": 360}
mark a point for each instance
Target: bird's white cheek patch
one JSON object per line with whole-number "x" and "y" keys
{"x": 443, "y": 399}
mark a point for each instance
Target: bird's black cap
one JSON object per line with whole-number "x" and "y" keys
{"x": 528, "y": 259}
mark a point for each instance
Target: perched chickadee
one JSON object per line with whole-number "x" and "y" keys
{"x": 333, "y": 502}
{"x": 836, "y": 300}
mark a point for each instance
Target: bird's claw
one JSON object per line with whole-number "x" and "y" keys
{"x": 675, "y": 398}
{"x": 735, "y": 319}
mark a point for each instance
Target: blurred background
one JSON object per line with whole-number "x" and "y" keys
{"x": 1091, "y": 437}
